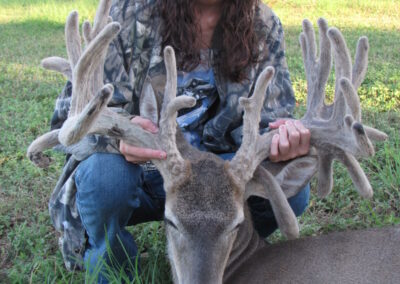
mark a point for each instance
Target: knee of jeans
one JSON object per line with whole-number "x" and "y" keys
{"x": 107, "y": 180}
{"x": 299, "y": 202}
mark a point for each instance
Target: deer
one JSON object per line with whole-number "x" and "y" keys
{"x": 210, "y": 235}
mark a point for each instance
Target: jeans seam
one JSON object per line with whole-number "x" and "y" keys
{"x": 83, "y": 222}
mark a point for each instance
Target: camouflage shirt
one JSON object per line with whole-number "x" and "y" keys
{"x": 133, "y": 62}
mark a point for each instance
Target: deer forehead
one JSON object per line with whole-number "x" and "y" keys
{"x": 209, "y": 195}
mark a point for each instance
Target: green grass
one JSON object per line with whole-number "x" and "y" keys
{"x": 31, "y": 30}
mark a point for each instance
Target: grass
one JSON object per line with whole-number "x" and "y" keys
{"x": 33, "y": 29}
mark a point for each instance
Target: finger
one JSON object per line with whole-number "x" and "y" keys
{"x": 305, "y": 137}
{"x": 142, "y": 153}
{"x": 294, "y": 135}
{"x": 274, "y": 151}
{"x": 135, "y": 160}
{"x": 145, "y": 123}
{"x": 283, "y": 141}
{"x": 275, "y": 124}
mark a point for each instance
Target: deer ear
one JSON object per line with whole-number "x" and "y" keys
{"x": 148, "y": 103}
{"x": 295, "y": 174}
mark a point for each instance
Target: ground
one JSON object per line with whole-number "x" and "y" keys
{"x": 33, "y": 29}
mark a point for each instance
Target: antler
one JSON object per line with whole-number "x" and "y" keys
{"x": 336, "y": 129}
{"x": 93, "y": 117}
{"x": 89, "y": 113}
{"x": 244, "y": 163}
{"x": 75, "y": 69}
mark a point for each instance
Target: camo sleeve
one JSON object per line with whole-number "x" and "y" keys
{"x": 280, "y": 99}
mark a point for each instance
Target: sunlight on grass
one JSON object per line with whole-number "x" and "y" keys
{"x": 50, "y": 10}
{"x": 377, "y": 14}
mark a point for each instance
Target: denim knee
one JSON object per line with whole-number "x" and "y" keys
{"x": 106, "y": 182}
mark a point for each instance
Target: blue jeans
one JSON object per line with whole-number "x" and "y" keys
{"x": 113, "y": 193}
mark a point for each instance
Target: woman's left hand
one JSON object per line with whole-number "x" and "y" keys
{"x": 292, "y": 141}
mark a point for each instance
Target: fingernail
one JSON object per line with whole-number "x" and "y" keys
{"x": 163, "y": 156}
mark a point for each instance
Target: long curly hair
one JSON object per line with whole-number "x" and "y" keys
{"x": 234, "y": 39}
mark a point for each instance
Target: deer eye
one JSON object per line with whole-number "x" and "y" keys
{"x": 168, "y": 222}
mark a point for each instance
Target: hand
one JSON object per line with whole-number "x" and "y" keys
{"x": 292, "y": 141}
{"x": 139, "y": 155}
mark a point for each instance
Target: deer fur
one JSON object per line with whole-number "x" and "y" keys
{"x": 361, "y": 256}
{"x": 209, "y": 230}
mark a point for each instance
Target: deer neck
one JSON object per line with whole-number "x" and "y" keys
{"x": 246, "y": 244}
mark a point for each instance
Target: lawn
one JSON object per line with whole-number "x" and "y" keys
{"x": 33, "y": 29}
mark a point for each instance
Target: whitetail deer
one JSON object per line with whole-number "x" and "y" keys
{"x": 210, "y": 235}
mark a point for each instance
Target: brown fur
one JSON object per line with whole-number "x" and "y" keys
{"x": 364, "y": 256}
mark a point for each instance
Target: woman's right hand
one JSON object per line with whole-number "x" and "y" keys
{"x": 139, "y": 155}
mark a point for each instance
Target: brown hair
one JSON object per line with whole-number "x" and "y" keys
{"x": 234, "y": 40}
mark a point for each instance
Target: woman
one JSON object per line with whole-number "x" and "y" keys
{"x": 221, "y": 47}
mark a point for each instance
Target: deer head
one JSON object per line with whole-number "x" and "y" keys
{"x": 206, "y": 216}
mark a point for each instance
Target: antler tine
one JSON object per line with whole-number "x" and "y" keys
{"x": 58, "y": 64}
{"x": 44, "y": 142}
{"x": 310, "y": 46}
{"x": 325, "y": 55}
{"x": 360, "y": 62}
{"x": 325, "y": 174}
{"x": 171, "y": 83}
{"x": 100, "y": 21}
{"x": 351, "y": 97}
{"x": 101, "y": 18}
{"x": 76, "y": 127}
{"x": 342, "y": 57}
{"x": 317, "y": 71}
{"x": 357, "y": 175}
{"x": 84, "y": 85}
{"x": 285, "y": 217}
{"x": 175, "y": 165}
{"x": 87, "y": 32}
{"x": 246, "y": 159}
{"x": 358, "y": 75}
{"x": 343, "y": 69}
{"x": 375, "y": 134}
{"x": 96, "y": 118}
{"x": 73, "y": 38}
